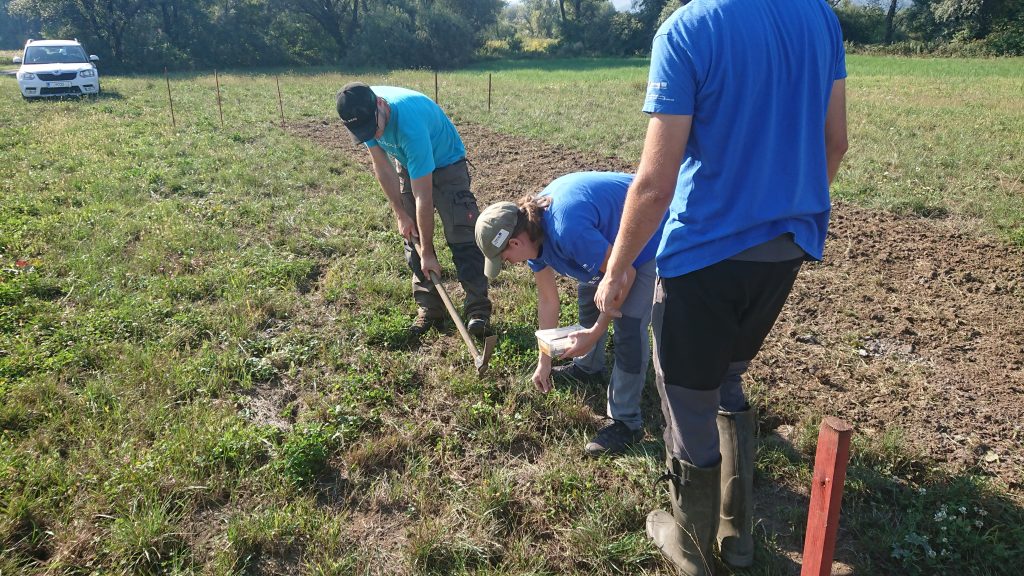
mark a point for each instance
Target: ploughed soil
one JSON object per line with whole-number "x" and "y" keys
{"x": 908, "y": 324}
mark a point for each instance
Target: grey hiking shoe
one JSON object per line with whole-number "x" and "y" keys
{"x": 424, "y": 322}
{"x": 613, "y": 438}
{"x": 477, "y": 326}
{"x": 573, "y": 373}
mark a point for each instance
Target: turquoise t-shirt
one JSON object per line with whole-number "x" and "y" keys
{"x": 419, "y": 134}
{"x": 756, "y": 76}
{"x": 581, "y": 224}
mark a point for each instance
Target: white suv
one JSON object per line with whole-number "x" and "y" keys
{"x": 56, "y": 68}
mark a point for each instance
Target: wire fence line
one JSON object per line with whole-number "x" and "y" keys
{"x": 280, "y": 99}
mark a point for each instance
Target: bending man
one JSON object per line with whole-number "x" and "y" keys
{"x": 432, "y": 174}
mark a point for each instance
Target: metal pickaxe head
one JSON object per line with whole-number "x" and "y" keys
{"x": 481, "y": 361}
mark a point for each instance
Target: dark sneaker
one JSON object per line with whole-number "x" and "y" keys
{"x": 423, "y": 323}
{"x": 477, "y": 326}
{"x": 614, "y": 438}
{"x": 573, "y": 373}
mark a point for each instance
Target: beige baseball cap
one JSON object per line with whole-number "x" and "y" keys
{"x": 494, "y": 228}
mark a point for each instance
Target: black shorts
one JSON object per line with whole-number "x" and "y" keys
{"x": 711, "y": 317}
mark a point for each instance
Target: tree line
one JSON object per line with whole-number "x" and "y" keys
{"x": 954, "y": 27}
{"x": 442, "y": 34}
{"x": 184, "y": 34}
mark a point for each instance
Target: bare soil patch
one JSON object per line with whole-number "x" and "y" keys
{"x": 908, "y": 323}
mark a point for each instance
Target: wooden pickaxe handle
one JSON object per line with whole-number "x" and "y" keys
{"x": 455, "y": 316}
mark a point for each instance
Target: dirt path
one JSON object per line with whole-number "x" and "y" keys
{"x": 908, "y": 324}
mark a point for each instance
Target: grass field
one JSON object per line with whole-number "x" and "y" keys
{"x": 158, "y": 284}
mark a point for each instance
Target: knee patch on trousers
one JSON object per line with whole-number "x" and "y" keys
{"x": 628, "y": 344}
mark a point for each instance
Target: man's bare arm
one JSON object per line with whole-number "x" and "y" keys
{"x": 646, "y": 202}
{"x": 836, "y": 142}
{"x": 388, "y": 179}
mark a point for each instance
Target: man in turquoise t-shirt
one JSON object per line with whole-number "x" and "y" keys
{"x": 748, "y": 127}
{"x": 404, "y": 125}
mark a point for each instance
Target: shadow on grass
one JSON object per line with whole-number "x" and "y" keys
{"x": 102, "y": 96}
{"x": 109, "y": 95}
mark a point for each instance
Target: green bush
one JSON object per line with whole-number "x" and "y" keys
{"x": 1006, "y": 39}
{"x": 861, "y": 24}
{"x": 386, "y": 38}
{"x": 495, "y": 49}
{"x": 445, "y": 41}
{"x": 540, "y": 46}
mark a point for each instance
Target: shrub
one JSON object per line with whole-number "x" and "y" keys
{"x": 386, "y": 39}
{"x": 1006, "y": 39}
{"x": 495, "y": 49}
{"x": 540, "y": 46}
{"x": 444, "y": 39}
{"x": 861, "y": 24}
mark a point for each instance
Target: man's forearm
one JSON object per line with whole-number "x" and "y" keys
{"x": 392, "y": 190}
{"x": 423, "y": 192}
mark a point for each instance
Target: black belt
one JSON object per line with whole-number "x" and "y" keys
{"x": 456, "y": 163}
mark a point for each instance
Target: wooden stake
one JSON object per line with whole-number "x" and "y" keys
{"x": 826, "y": 496}
{"x": 488, "y": 91}
{"x": 435, "y": 87}
{"x": 170, "y": 100}
{"x": 280, "y": 104}
{"x": 220, "y": 109}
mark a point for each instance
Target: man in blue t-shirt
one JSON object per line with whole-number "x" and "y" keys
{"x": 747, "y": 130}
{"x": 569, "y": 228}
{"x": 404, "y": 125}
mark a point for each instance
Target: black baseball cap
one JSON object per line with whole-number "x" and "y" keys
{"x": 357, "y": 107}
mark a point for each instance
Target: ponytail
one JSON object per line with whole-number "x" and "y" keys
{"x": 531, "y": 216}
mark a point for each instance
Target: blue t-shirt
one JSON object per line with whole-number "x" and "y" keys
{"x": 419, "y": 134}
{"x": 581, "y": 224}
{"x": 756, "y": 76}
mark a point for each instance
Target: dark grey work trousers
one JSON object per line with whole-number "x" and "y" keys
{"x": 457, "y": 208}
{"x": 708, "y": 325}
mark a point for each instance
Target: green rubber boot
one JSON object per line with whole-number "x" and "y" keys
{"x": 686, "y": 535}
{"x": 736, "y": 435}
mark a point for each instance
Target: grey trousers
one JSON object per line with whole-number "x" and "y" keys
{"x": 632, "y": 345}
{"x": 456, "y": 205}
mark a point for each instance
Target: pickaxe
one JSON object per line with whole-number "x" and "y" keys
{"x": 479, "y": 359}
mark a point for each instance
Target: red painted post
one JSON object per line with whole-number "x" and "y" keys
{"x": 826, "y": 496}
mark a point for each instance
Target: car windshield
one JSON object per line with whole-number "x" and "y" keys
{"x": 55, "y": 55}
